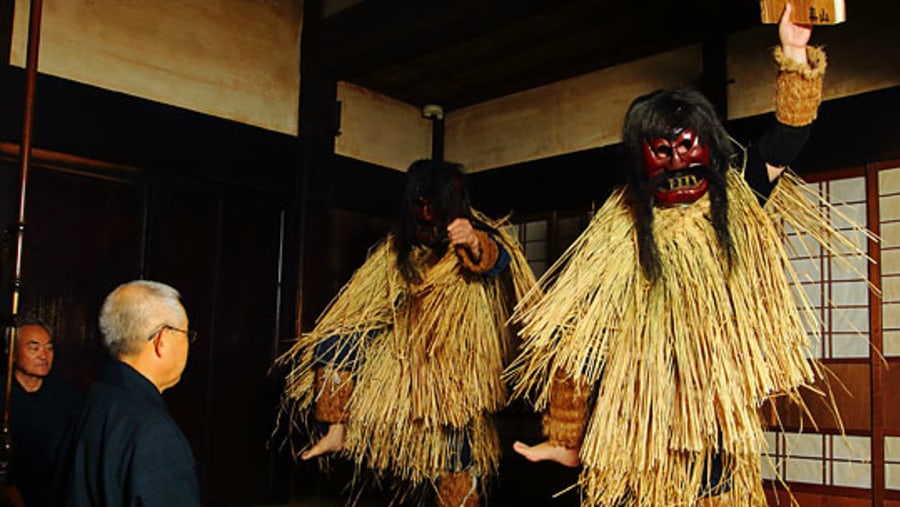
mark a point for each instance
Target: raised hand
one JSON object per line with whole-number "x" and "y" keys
{"x": 462, "y": 234}
{"x": 793, "y": 37}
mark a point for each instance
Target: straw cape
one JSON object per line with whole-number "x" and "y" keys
{"x": 425, "y": 359}
{"x": 678, "y": 367}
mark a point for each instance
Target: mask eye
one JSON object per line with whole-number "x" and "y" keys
{"x": 421, "y": 204}
{"x": 684, "y": 146}
{"x": 663, "y": 151}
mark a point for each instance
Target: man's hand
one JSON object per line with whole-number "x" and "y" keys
{"x": 331, "y": 442}
{"x": 462, "y": 234}
{"x": 545, "y": 451}
{"x": 793, "y": 37}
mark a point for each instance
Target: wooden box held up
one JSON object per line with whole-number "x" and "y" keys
{"x": 813, "y": 12}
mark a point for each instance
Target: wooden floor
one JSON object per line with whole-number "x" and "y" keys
{"x": 531, "y": 485}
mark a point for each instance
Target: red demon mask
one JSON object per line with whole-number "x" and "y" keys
{"x": 675, "y": 167}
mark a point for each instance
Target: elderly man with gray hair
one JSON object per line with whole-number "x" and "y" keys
{"x": 42, "y": 407}
{"x": 127, "y": 449}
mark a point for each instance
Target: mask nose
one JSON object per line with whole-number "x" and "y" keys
{"x": 677, "y": 163}
{"x": 423, "y": 210}
{"x": 426, "y": 213}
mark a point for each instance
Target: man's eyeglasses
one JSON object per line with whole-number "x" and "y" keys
{"x": 191, "y": 335}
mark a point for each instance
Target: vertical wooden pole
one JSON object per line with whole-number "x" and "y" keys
{"x": 34, "y": 39}
{"x": 876, "y": 362}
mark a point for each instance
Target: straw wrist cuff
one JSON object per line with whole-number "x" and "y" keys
{"x": 489, "y": 254}
{"x": 333, "y": 389}
{"x": 458, "y": 489}
{"x": 798, "y": 87}
{"x": 564, "y": 422}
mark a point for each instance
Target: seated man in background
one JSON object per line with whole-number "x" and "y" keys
{"x": 41, "y": 409}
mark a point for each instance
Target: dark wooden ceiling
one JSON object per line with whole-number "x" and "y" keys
{"x": 456, "y": 53}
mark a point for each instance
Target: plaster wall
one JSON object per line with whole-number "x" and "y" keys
{"x": 380, "y": 130}
{"x": 236, "y": 59}
{"x": 571, "y": 115}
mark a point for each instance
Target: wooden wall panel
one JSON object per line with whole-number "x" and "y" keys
{"x": 182, "y": 253}
{"x": 243, "y": 397}
{"x": 83, "y": 236}
{"x": 892, "y": 397}
{"x": 356, "y": 234}
{"x": 779, "y": 498}
{"x": 850, "y": 386}
{"x": 221, "y": 249}
{"x": 200, "y": 209}
{"x": 8, "y": 215}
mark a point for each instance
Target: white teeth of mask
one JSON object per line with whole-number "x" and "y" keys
{"x": 687, "y": 181}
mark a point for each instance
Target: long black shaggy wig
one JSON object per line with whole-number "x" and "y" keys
{"x": 659, "y": 114}
{"x": 444, "y": 185}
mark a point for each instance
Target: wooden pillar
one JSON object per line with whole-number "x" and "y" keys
{"x": 435, "y": 113}
{"x": 876, "y": 337}
{"x": 714, "y": 78}
{"x": 307, "y": 223}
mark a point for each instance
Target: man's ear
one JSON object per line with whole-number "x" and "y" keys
{"x": 159, "y": 343}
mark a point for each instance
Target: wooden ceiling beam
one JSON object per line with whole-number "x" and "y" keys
{"x": 463, "y": 52}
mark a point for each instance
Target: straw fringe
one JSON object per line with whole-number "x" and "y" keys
{"x": 431, "y": 355}
{"x": 684, "y": 362}
{"x": 795, "y": 207}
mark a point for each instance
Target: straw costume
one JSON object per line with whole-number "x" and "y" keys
{"x": 671, "y": 319}
{"x": 409, "y": 355}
